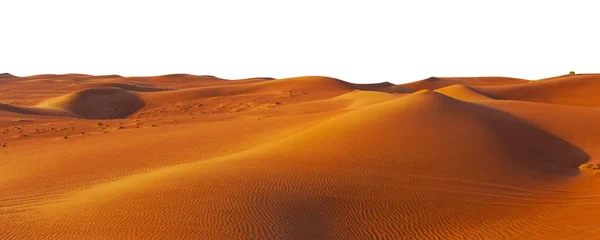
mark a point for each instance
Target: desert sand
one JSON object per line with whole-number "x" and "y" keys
{"x": 199, "y": 157}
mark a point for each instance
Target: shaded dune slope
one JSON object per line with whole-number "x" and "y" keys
{"x": 579, "y": 89}
{"x": 103, "y": 103}
{"x": 377, "y": 171}
{"x": 6, "y": 75}
{"x": 575, "y": 124}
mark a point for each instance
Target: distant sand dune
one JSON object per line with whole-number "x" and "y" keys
{"x": 125, "y": 86}
{"x": 320, "y": 87}
{"x": 433, "y": 83}
{"x": 579, "y": 89}
{"x": 465, "y": 93}
{"x": 6, "y": 75}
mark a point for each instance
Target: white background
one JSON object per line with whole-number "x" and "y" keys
{"x": 358, "y": 41}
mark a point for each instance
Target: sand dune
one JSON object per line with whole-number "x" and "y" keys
{"x": 6, "y": 75}
{"x": 579, "y": 89}
{"x": 102, "y": 103}
{"x": 433, "y": 83}
{"x": 297, "y": 158}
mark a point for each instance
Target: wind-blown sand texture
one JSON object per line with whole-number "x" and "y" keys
{"x": 198, "y": 157}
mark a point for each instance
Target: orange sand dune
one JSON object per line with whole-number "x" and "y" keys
{"x": 578, "y": 89}
{"x": 97, "y": 103}
{"x": 440, "y": 82}
{"x": 6, "y": 75}
{"x": 199, "y": 157}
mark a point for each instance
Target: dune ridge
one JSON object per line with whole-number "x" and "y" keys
{"x": 576, "y": 89}
{"x": 464, "y": 93}
{"x": 433, "y": 83}
{"x": 6, "y": 75}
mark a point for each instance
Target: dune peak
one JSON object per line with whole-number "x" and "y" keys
{"x": 422, "y": 91}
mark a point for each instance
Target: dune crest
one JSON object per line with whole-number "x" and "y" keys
{"x": 433, "y": 83}
{"x": 464, "y": 93}
{"x": 6, "y": 75}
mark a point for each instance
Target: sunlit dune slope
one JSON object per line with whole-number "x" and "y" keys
{"x": 36, "y": 110}
{"x": 440, "y": 82}
{"x": 579, "y": 89}
{"x": 361, "y": 99}
{"x": 346, "y": 102}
